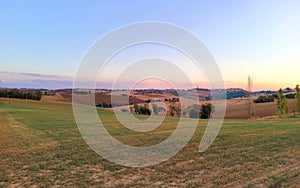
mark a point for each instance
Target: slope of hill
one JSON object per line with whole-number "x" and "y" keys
{"x": 238, "y": 108}
{"x": 55, "y": 98}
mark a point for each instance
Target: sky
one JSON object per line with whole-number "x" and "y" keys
{"x": 43, "y": 42}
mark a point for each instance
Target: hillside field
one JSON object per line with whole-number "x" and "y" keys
{"x": 41, "y": 146}
{"x": 236, "y": 108}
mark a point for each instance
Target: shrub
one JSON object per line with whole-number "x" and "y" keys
{"x": 155, "y": 109}
{"x": 264, "y": 99}
{"x": 124, "y": 110}
{"x": 290, "y": 96}
{"x": 205, "y": 111}
{"x": 194, "y": 111}
{"x": 142, "y": 109}
{"x": 104, "y": 105}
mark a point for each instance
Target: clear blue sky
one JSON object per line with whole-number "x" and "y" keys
{"x": 256, "y": 37}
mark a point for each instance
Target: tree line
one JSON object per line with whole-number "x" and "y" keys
{"x": 19, "y": 94}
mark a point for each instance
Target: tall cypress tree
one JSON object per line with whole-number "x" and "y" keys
{"x": 282, "y": 108}
{"x": 297, "y": 96}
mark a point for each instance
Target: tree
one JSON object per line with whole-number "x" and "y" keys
{"x": 282, "y": 108}
{"x": 194, "y": 111}
{"x": 250, "y": 85}
{"x": 264, "y": 99}
{"x": 205, "y": 111}
{"x": 297, "y": 96}
{"x": 141, "y": 109}
{"x": 136, "y": 108}
{"x": 145, "y": 110}
{"x": 174, "y": 110}
{"x": 155, "y": 109}
{"x": 39, "y": 95}
{"x": 3, "y": 93}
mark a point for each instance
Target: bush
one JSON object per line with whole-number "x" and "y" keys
{"x": 264, "y": 99}
{"x": 142, "y": 110}
{"x": 194, "y": 111}
{"x": 124, "y": 110}
{"x": 155, "y": 109}
{"x": 290, "y": 96}
{"x": 104, "y": 105}
{"x": 205, "y": 111}
{"x": 161, "y": 109}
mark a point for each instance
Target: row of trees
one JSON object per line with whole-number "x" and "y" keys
{"x": 108, "y": 105}
{"x": 104, "y": 105}
{"x": 16, "y": 93}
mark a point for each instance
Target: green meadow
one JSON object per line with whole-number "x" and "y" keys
{"x": 40, "y": 145}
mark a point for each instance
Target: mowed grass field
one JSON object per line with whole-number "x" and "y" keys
{"x": 40, "y": 146}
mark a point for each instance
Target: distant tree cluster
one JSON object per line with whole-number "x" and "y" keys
{"x": 19, "y": 94}
{"x": 203, "y": 111}
{"x": 153, "y": 100}
{"x": 229, "y": 95}
{"x": 104, "y": 105}
{"x": 264, "y": 99}
{"x": 290, "y": 96}
{"x": 108, "y": 105}
{"x": 174, "y": 92}
{"x": 172, "y": 100}
{"x": 141, "y": 109}
{"x": 82, "y": 92}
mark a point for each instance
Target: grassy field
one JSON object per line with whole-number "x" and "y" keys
{"x": 41, "y": 146}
